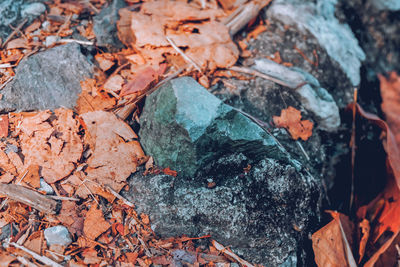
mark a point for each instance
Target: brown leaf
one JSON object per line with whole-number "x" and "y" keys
{"x": 115, "y": 153}
{"x": 106, "y": 61}
{"x": 3, "y": 126}
{"x": 91, "y": 99}
{"x": 168, "y": 171}
{"x": 54, "y": 147}
{"x": 114, "y": 83}
{"x": 390, "y": 92}
{"x": 17, "y": 43}
{"x": 94, "y": 224}
{"x": 140, "y": 82}
{"x": 32, "y": 177}
{"x": 332, "y": 243}
{"x": 291, "y": 120}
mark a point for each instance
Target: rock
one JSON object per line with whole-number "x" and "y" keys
{"x": 307, "y": 35}
{"x": 391, "y": 5}
{"x": 47, "y": 80}
{"x": 33, "y": 10}
{"x": 254, "y": 213}
{"x": 14, "y": 11}
{"x": 311, "y": 95}
{"x": 45, "y": 187}
{"x": 376, "y": 25}
{"x": 57, "y": 235}
{"x": 51, "y": 40}
{"x": 105, "y": 25}
{"x": 185, "y": 127}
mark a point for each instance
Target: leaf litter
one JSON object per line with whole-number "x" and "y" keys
{"x": 86, "y": 155}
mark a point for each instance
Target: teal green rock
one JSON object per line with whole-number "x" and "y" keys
{"x": 185, "y": 127}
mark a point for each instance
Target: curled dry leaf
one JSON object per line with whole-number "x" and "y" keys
{"x": 140, "y": 81}
{"x": 365, "y": 229}
{"x": 291, "y": 120}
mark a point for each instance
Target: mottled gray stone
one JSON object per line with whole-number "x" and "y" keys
{"x": 319, "y": 19}
{"x": 253, "y": 213}
{"x": 47, "y": 80}
{"x": 57, "y": 235}
{"x": 184, "y": 127}
{"x": 45, "y": 187}
{"x": 312, "y": 96}
{"x": 392, "y": 5}
{"x": 33, "y": 9}
{"x": 105, "y": 25}
{"x": 14, "y": 11}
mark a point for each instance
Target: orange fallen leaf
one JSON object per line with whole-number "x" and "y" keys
{"x": 168, "y": 171}
{"x": 4, "y": 126}
{"x": 140, "y": 81}
{"x": 365, "y": 229}
{"x": 32, "y": 177}
{"x": 94, "y": 224}
{"x": 106, "y": 61}
{"x": 91, "y": 99}
{"x": 291, "y": 120}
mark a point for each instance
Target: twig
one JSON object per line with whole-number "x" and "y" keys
{"x": 185, "y": 57}
{"x": 18, "y": 182}
{"x": 127, "y": 202}
{"x": 303, "y": 150}
{"x": 64, "y": 198}
{"x": 230, "y": 254}
{"x": 19, "y": 27}
{"x": 261, "y": 75}
{"x": 38, "y": 257}
{"x": 6, "y": 82}
{"x": 75, "y": 41}
{"x": 246, "y": 14}
{"x": 5, "y": 66}
{"x": 353, "y": 148}
{"x": 29, "y": 197}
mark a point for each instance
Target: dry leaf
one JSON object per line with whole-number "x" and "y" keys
{"x": 332, "y": 243}
{"x": 140, "y": 81}
{"x": 115, "y": 153}
{"x": 365, "y": 229}
{"x": 114, "y": 83}
{"x": 106, "y": 61}
{"x": 91, "y": 99}
{"x": 390, "y": 92}
{"x": 94, "y": 224}
{"x": 168, "y": 171}
{"x": 291, "y": 120}
{"x": 3, "y": 126}
{"x": 56, "y": 161}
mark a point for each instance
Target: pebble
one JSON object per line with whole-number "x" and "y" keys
{"x": 33, "y": 10}
{"x": 50, "y": 40}
{"x": 45, "y": 187}
{"x": 57, "y": 235}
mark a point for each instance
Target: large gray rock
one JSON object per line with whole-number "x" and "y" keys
{"x": 12, "y": 12}
{"x": 256, "y": 214}
{"x": 47, "y": 80}
{"x": 105, "y": 25}
{"x": 185, "y": 127}
{"x": 319, "y": 19}
{"x": 308, "y": 35}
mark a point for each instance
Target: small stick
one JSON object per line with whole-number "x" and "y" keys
{"x": 262, "y": 75}
{"x": 38, "y": 257}
{"x": 127, "y": 202}
{"x": 6, "y": 82}
{"x": 75, "y": 41}
{"x": 64, "y": 198}
{"x": 19, "y": 27}
{"x": 303, "y": 150}
{"x": 29, "y": 197}
{"x": 247, "y": 13}
{"x": 230, "y": 254}
{"x": 353, "y": 148}
{"x": 5, "y": 66}
{"x": 186, "y": 57}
